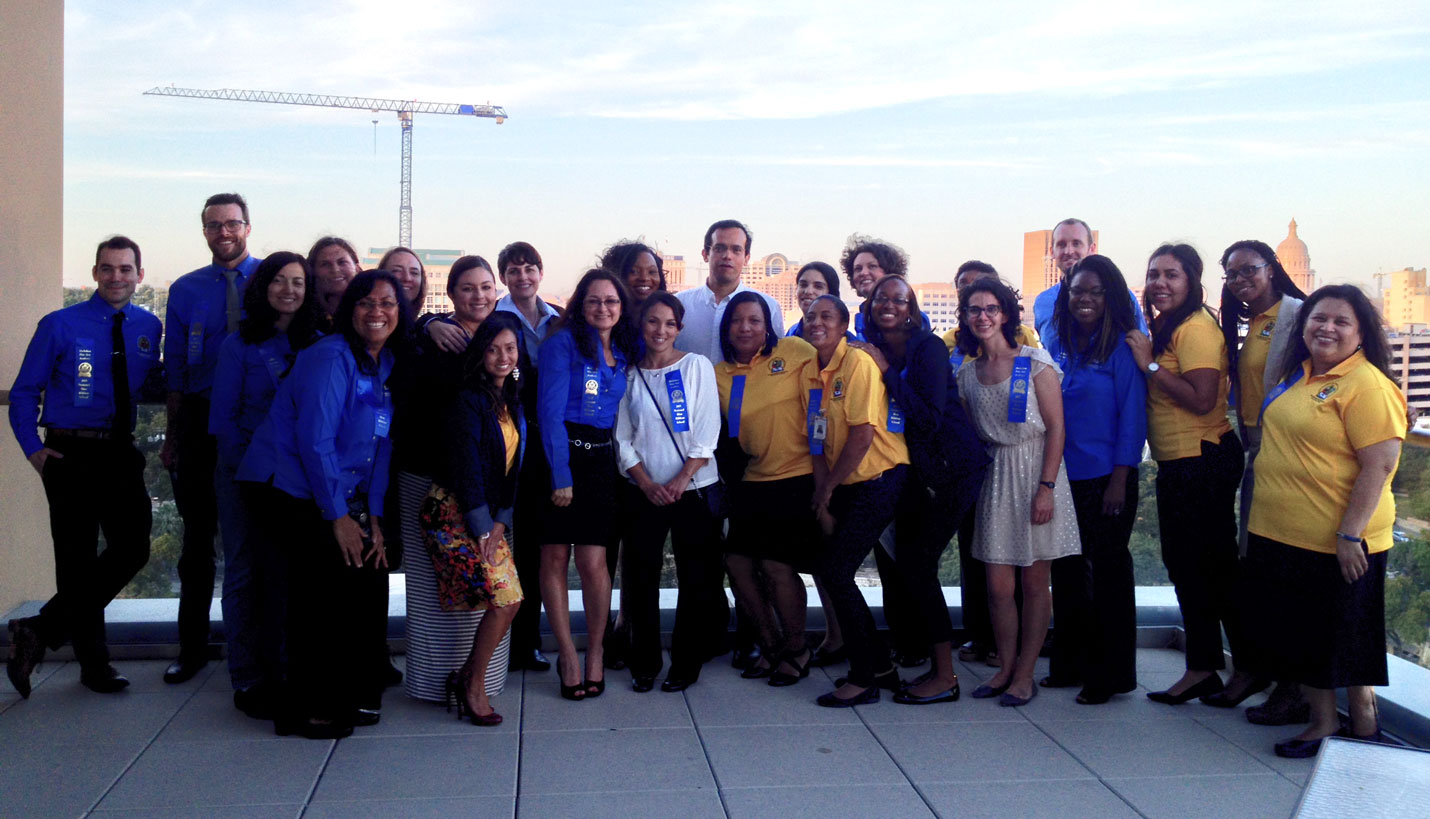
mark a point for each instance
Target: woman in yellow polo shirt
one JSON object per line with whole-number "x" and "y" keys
{"x": 771, "y": 529}
{"x": 1331, "y": 435}
{"x": 1259, "y": 295}
{"x": 859, "y": 471}
{"x": 1199, "y": 462}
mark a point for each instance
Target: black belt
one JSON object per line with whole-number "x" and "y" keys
{"x": 580, "y": 444}
{"x": 87, "y": 434}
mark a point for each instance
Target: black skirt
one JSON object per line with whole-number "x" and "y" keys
{"x": 772, "y": 520}
{"x": 1309, "y": 625}
{"x": 592, "y": 518}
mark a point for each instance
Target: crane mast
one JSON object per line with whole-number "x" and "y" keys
{"x": 403, "y": 108}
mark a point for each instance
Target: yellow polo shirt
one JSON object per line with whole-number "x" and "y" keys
{"x": 1174, "y": 432}
{"x": 1251, "y": 365}
{"x": 853, "y": 395}
{"x": 771, "y": 412}
{"x": 1026, "y": 337}
{"x": 1307, "y": 464}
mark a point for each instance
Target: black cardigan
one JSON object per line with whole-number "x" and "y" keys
{"x": 473, "y": 467}
{"x": 943, "y": 445}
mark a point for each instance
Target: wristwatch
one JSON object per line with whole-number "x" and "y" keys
{"x": 1153, "y": 368}
{"x": 1048, "y": 484}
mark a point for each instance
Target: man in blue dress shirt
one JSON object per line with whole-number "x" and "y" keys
{"x": 1072, "y": 242}
{"x": 88, "y": 364}
{"x": 204, "y": 307}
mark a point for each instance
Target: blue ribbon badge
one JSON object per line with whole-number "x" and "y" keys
{"x": 592, "y": 391}
{"x": 272, "y": 362}
{"x": 83, "y": 372}
{"x": 196, "y": 335}
{"x": 896, "y": 417}
{"x": 1018, "y": 390}
{"x": 737, "y": 398}
{"x": 679, "y": 417}
{"x": 816, "y": 423}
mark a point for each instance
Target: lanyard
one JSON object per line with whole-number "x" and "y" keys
{"x": 1018, "y": 390}
{"x": 1276, "y": 392}
{"x": 815, "y": 421}
{"x": 737, "y": 398}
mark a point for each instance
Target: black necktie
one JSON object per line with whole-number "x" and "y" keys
{"x": 119, "y": 371}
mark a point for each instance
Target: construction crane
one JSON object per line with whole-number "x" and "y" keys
{"x": 404, "y": 108}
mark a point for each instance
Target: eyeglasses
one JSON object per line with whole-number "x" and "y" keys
{"x": 372, "y": 304}
{"x": 609, "y": 304}
{"x": 1086, "y": 292}
{"x": 882, "y": 299}
{"x": 1247, "y": 272}
{"x": 990, "y": 311}
{"x": 232, "y": 226}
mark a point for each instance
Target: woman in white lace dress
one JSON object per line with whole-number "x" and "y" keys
{"x": 1025, "y": 516}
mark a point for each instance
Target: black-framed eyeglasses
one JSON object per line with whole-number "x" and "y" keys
{"x": 232, "y": 226}
{"x": 882, "y": 299}
{"x": 1246, "y": 272}
{"x": 990, "y": 311}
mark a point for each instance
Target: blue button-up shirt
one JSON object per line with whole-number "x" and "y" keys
{"x": 197, "y": 321}
{"x": 68, "y": 361}
{"x": 561, "y": 397}
{"x": 1105, "y": 407}
{"x": 1046, "y": 300}
{"x": 532, "y": 337}
{"x": 327, "y": 435}
{"x": 245, "y": 380}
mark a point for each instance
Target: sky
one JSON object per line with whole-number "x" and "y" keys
{"x": 948, "y": 129}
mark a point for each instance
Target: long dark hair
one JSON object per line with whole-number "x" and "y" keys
{"x": 623, "y": 336}
{"x": 1117, "y": 315}
{"x": 1233, "y": 312}
{"x": 474, "y": 371}
{"x": 257, "y": 324}
{"x": 1372, "y": 337}
{"x": 915, "y": 325}
{"x": 968, "y": 343}
{"x": 826, "y": 270}
{"x": 358, "y": 289}
{"x": 1168, "y": 323}
{"x": 620, "y": 257}
{"x": 727, "y": 350}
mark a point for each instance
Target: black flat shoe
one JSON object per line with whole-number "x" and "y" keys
{"x": 988, "y": 692}
{"x": 824, "y": 658}
{"x": 908, "y": 659}
{"x": 1222, "y": 699}
{"x": 865, "y": 697}
{"x": 1298, "y": 748}
{"x": 1206, "y": 687}
{"x": 905, "y": 698}
{"x": 184, "y": 669}
{"x": 755, "y": 671}
{"x": 255, "y": 702}
{"x": 26, "y": 652}
{"x": 104, "y": 680}
{"x": 779, "y": 679}
{"x": 313, "y": 728}
{"x": 675, "y": 683}
{"x": 888, "y": 681}
{"x": 364, "y": 717}
{"x": 1097, "y": 695}
{"x": 744, "y": 657}
{"x": 1014, "y": 701}
{"x": 534, "y": 661}
{"x": 640, "y": 685}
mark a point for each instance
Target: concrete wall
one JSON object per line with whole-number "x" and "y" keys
{"x": 32, "y": 35}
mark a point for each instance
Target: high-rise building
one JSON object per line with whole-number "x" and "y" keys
{"x": 1407, "y": 300}
{"x": 674, "y": 267}
{"x": 939, "y": 301}
{"x": 1410, "y": 362}
{"x": 1297, "y": 260}
{"x": 1040, "y": 269}
{"x": 436, "y": 264}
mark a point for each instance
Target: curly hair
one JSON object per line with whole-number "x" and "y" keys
{"x": 891, "y": 258}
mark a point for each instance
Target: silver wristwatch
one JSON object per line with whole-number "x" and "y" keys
{"x": 1153, "y": 367}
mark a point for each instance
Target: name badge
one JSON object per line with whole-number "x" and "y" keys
{"x": 896, "y": 417}
{"x": 737, "y": 399}
{"x": 83, "y": 372}
{"x": 815, "y": 421}
{"x": 592, "y": 391}
{"x": 196, "y": 335}
{"x": 1018, "y": 390}
{"x": 382, "y": 423}
{"x": 272, "y": 362}
{"x": 675, "y": 388}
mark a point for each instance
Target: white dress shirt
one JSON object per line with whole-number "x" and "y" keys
{"x": 701, "y": 332}
{"x": 641, "y": 436}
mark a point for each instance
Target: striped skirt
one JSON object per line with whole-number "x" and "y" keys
{"x": 438, "y": 641}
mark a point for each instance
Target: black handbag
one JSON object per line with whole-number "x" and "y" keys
{"x": 716, "y": 496}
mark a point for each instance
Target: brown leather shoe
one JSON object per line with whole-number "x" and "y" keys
{"x": 26, "y": 652}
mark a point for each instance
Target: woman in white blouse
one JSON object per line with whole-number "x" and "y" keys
{"x": 666, "y": 432}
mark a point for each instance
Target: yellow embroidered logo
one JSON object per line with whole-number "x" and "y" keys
{"x": 1326, "y": 392}
{"x": 1266, "y": 331}
{"x": 839, "y": 388}
{"x": 777, "y": 366}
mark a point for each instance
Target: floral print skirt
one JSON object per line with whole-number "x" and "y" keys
{"x": 465, "y": 581}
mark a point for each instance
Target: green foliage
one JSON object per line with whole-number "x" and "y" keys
{"x": 1146, "y": 542}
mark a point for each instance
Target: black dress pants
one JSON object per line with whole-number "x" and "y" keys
{"x": 973, "y": 576}
{"x": 922, "y": 528}
{"x": 700, "y": 618}
{"x": 334, "y": 613}
{"x": 535, "y": 478}
{"x": 1196, "y": 500}
{"x": 193, "y": 478}
{"x": 1094, "y": 597}
{"x": 97, "y": 486}
{"x": 861, "y": 511}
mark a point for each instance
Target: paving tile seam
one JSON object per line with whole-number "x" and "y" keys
{"x": 318, "y": 777}
{"x": 700, "y": 736}
{"x": 143, "y": 750}
{"x": 900, "y": 768}
{"x": 1239, "y": 747}
{"x": 1086, "y": 767}
{"x": 520, "y": 744}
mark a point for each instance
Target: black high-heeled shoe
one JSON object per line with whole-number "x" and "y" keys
{"x": 452, "y": 693}
{"x": 575, "y": 692}
{"x": 755, "y": 672}
{"x": 779, "y": 679}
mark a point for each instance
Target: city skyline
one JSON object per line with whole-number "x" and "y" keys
{"x": 1207, "y": 124}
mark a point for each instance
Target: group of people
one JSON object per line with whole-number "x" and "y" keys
{"x": 328, "y": 430}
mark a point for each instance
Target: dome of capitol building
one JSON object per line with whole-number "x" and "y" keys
{"x": 1296, "y": 259}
